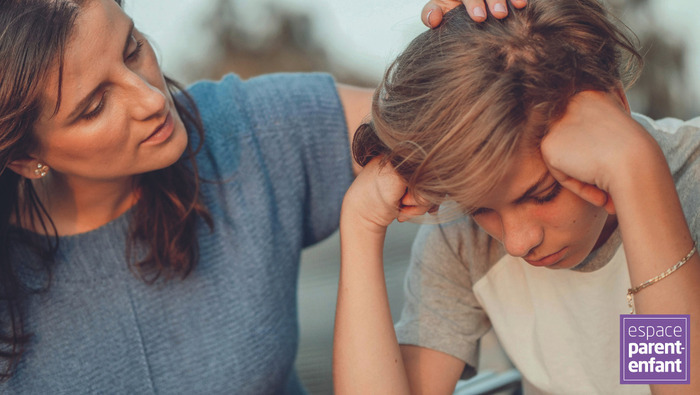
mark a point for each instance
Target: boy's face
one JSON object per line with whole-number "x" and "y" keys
{"x": 537, "y": 219}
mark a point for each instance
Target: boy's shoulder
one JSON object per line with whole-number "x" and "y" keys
{"x": 460, "y": 241}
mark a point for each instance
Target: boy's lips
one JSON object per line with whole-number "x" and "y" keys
{"x": 548, "y": 260}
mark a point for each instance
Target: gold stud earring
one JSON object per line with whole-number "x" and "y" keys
{"x": 41, "y": 170}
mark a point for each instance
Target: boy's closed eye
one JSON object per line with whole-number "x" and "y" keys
{"x": 548, "y": 194}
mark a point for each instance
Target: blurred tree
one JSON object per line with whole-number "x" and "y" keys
{"x": 661, "y": 90}
{"x": 284, "y": 41}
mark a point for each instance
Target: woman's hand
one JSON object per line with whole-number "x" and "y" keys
{"x": 378, "y": 196}
{"x": 591, "y": 149}
{"x": 435, "y": 9}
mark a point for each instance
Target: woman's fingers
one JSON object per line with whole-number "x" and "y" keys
{"x": 515, "y": 3}
{"x": 498, "y": 9}
{"x": 478, "y": 10}
{"x": 431, "y": 14}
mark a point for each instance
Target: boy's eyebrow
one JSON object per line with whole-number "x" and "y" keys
{"x": 533, "y": 188}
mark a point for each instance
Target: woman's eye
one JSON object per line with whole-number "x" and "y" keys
{"x": 555, "y": 190}
{"x": 97, "y": 110}
{"x": 134, "y": 54}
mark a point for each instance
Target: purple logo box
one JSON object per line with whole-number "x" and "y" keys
{"x": 654, "y": 349}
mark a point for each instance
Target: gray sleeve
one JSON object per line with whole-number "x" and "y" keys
{"x": 680, "y": 142}
{"x": 685, "y": 165}
{"x": 441, "y": 311}
{"x": 688, "y": 185}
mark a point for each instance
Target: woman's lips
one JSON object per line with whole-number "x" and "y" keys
{"x": 162, "y": 132}
{"x": 549, "y": 259}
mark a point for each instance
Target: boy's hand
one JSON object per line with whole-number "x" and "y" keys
{"x": 378, "y": 196}
{"x": 591, "y": 149}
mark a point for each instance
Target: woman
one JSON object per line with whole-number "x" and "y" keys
{"x": 524, "y": 125}
{"x": 107, "y": 175}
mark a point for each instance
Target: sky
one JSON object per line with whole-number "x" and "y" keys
{"x": 363, "y": 35}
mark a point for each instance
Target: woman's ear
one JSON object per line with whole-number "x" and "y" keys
{"x": 29, "y": 167}
{"x": 619, "y": 93}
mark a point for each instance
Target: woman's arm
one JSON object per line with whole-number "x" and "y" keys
{"x": 366, "y": 355}
{"x": 616, "y": 155}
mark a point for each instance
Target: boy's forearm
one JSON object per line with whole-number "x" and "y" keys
{"x": 366, "y": 355}
{"x": 656, "y": 236}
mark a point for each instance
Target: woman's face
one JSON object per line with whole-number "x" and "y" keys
{"x": 116, "y": 116}
{"x": 537, "y": 219}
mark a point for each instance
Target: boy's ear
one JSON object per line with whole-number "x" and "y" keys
{"x": 28, "y": 167}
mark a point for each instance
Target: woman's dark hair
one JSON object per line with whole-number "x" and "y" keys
{"x": 465, "y": 97}
{"x": 33, "y": 38}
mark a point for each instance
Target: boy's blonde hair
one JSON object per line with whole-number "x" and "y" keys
{"x": 459, "y": 102}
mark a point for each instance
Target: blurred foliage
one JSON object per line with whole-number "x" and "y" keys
{"x": 283, "y": 40}
{"x": 662, "y": 90}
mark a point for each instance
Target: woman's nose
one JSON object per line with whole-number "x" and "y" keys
{"x": 521, "y": 235}
{"x": 147, "y": 100}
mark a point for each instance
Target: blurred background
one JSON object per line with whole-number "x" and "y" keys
{"x": 355, "y": 40}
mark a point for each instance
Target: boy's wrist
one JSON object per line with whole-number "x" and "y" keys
{"x": 354, "y": 218}
{"x": 639, "y": 165}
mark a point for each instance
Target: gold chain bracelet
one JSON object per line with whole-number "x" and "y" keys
{"x": 632, "y": 291}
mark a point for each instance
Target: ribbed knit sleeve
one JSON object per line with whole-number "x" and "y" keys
{"x": 289, "y": 130}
